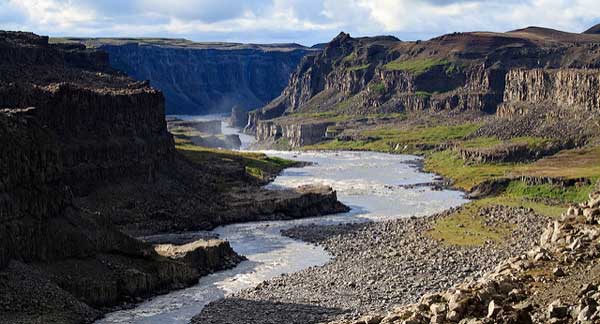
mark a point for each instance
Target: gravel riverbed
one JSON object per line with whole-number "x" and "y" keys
{"x": 376, "y": 266}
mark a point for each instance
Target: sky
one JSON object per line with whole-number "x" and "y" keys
{"x": 289, "y": 21}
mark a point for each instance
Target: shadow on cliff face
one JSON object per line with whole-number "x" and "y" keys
{"x": 245, "y": 311}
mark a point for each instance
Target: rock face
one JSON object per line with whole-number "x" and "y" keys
{"x": 459, "y": 72}
{"x": 206, "y": 256}
{"x": 239, "y": 117}
{"x": 201, "y": 78}
{"x": 86, "y": 155}
{"x": 575, "y": 88}
{"x": 296, "y": 134}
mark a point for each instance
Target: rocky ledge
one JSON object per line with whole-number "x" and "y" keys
{"x": 285, "y": 204}
{"x": 206, "y": 256}
{"x": 375, "y": 266}
{"x": 555, "y": 282}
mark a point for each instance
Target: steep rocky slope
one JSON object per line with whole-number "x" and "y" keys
{"x": 86, "y": 155}
{"x": 201, "y": 78}
{"x": 459, "y": 72}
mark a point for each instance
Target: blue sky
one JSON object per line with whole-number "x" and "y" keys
{"x": 301, "y": 21}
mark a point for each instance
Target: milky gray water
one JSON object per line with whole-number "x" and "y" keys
{"x": 368, "y": 182}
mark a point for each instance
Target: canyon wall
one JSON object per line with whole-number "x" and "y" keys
{"x": 574, "y": 88}
{"x": 479, "y": 73}
{"x": 209, "y": 78}
{"x": 67, "y": 128}
{"x": 296, "y": 134}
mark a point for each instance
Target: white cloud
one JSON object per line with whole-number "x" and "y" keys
{"x": 306, "y": 21}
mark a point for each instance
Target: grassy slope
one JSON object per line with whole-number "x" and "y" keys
{"x": 465, "y": 227}
{"x": 256, "y": 165}
{"x": 415, "y": 66}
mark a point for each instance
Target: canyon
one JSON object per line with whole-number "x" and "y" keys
{"x": 105, "y": 202}
{"x": 88, "y": 164}
{"x": 203, "y": 78}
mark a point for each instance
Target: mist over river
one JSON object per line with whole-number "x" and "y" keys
{"x": 370, "y": 183}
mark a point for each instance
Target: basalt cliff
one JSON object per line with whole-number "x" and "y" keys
{"x": 202, "y": 78}
{"x": 477, "y": 73}
{"x": 87, "y": 163}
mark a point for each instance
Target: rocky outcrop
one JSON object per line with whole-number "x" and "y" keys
{"x": 575, "y": 88}
{"x": 206, "y": 256}
{"x": 304, "y": 201}
{"x": 295, "y": 135}
{"x": 201, "y": 78}
{"x": 203, "y": 133}
{"x": 212, "y": 127}
{"x": 239, "y": 117}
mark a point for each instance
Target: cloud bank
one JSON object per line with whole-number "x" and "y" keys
{"x": 302, "y": 21}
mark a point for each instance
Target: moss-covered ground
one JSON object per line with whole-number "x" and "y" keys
{"x": 256, "y": 165}
{"x": 437, "y": 144}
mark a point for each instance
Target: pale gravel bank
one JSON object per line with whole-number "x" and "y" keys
{"x": 375, "y": 267}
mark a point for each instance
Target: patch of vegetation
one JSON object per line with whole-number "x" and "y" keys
{"x": 377, "y": 87}
{"x": 416, "y": 66}
{"x": 425, "y": 135}
{"x": 481, "y": 142}
{"x": 410, "y": 141}
{"x": 563, "y": 195}
{"x": 361, "y": 145}
{"x": 282, "y": 144}
{"x": 465, "y": 176}
{"x": 359, "y": 67}
{"x": 350, "y": 57}
{"x": 256, "y": 164}
{"x": 546, "y": 199}
{"x": 452, "y": 68}
{"x": 423, "y": 94}
{"x": 570, "y": 164}
{"x": 467, "y": 228}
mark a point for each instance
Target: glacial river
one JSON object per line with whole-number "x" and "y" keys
{"x": 370, "y": 183}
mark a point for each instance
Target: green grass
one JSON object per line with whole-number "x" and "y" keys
{"x": 377, "y": 87}
{"x": 423, "y": 94}
{"x": 282, "y": 144}
{"x": 570, "y": 164}
{"x": 481, "y": 142}
{"x": 415, "y": 66}
{"x": 350, "y": 57}
{"x": 388, "y": 139}
{"x": 359, "y": 67}
{"x": 465, "y": 176}
{"x": 362, "y": 145}
{"x": 466, "y": 228}
{"x": 257, "y": 165}
{"x": 491, "y": 142}
{"x": 425, "y": 135}
{"x": 556, "y": 193}
{"x": 545, "y": 199}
